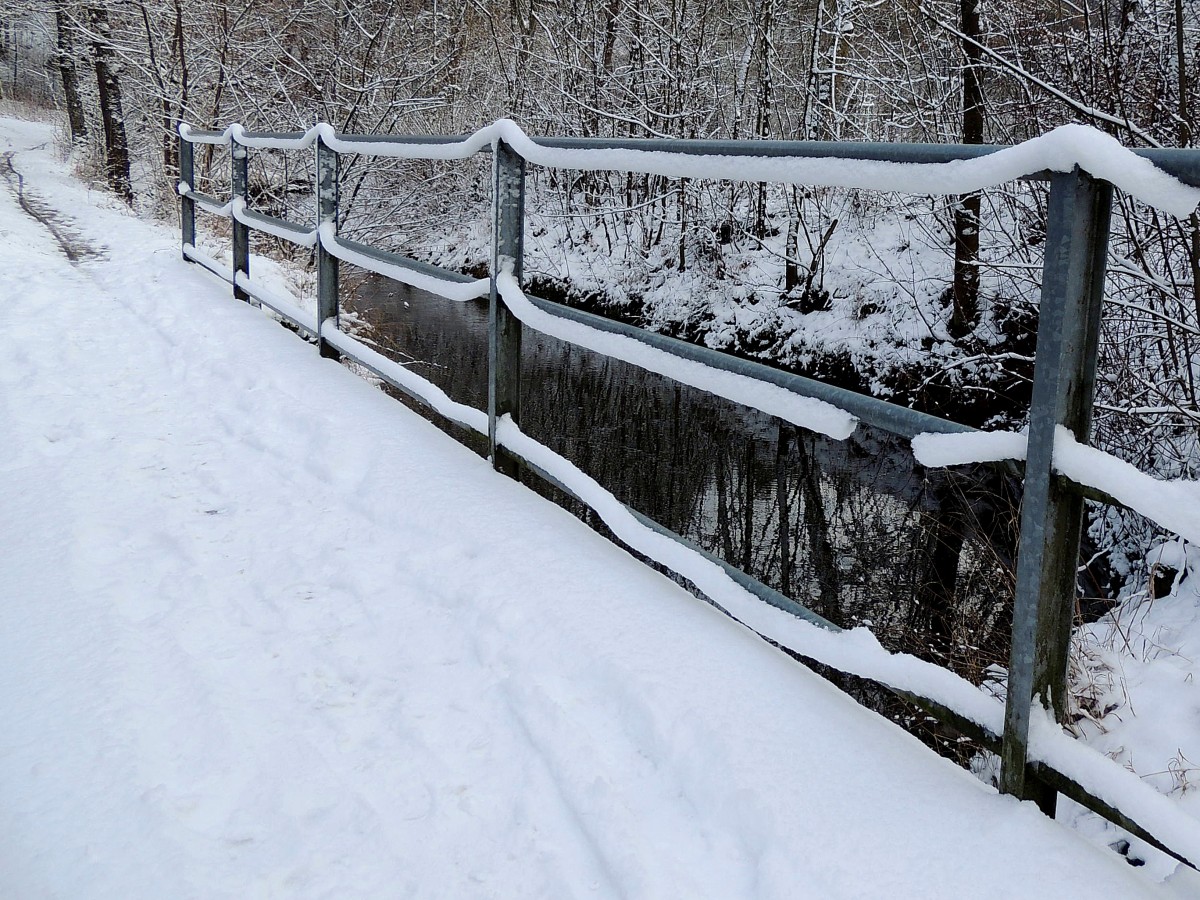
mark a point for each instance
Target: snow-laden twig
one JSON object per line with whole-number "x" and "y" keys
{"x": 1077, "y": 105}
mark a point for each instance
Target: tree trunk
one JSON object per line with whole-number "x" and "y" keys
{"x": 66, "y": 70}
{"x": 965, "y": 291}
{"x": 168, "y": 117}
{"x": 791, "y": 244}
{"x": 108, "y": 84}
{"x": 762, "y": 118}
{"x": 1185, "y": 140}
{"x": 180, "y": 49}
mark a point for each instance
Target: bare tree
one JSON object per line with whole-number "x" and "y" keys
{"x": 964, "y": 315}
{"x": 65, "y": 52}
{"x": 112, "y": 115}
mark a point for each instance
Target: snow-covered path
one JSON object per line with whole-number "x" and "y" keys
{"x": 265, "y": 633}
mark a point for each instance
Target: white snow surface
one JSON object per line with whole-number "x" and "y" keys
{"x": 937, "y": 450}
{"x": 1059, "y": 150}
{"x": 266, "y": 633}
{"x": 1136, "y": 695}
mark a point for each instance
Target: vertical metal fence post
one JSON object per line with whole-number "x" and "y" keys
{"x": 240, "y": 157}
{"x": 1051, "y": 518}
{"x": 504, "y": 329}
{"x": 327, "y": 263}
{"x": 187, "y": 206}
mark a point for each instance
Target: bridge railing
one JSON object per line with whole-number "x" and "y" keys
{"x": 1065, "y": 372}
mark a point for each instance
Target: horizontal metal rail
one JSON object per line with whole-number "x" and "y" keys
{"x": 280, "y": 228}
{"x": 1181, "y": 163}
{"x": 205, "y": 261}
{"x": 366, "y": 140}
{"x": 896, "y": 419}
{"x": 205, "y": 137}
{"x": 404, "y": 262}
{"x": 207, "y": 203}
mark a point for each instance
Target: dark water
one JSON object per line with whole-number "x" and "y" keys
{"x": 856, "y": 530}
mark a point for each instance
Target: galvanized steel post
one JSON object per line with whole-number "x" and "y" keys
{"x": 240, "y": 158}
{"x": 327, "y": 263}
{"x": 504, "y": 328}
{"x": 187, "y": 206}
{"x": 1051, "y": 518}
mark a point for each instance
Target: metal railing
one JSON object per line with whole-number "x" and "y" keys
{"x": 1067, "y": 341}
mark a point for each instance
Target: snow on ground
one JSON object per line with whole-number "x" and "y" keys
{"x": 1135, "y": 686}
{"x": 265, "y": 633}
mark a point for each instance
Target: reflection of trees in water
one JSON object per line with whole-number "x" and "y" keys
{"x": 875, "y": 538}
{"x": 854, "y": 529}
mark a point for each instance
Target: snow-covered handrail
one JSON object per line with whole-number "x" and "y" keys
{"x": 1175, "y": 505}
{"x": 286, "y": 307}
{"x": 190, "y": 252}
{"x": 280, "y": 228}
{"x": 806, "y": 412}
{"x": 205, "y": 202}
{"x": 410, "y": 382}
{"x": 1060, "y": 150}
{"x": 443, "y": 287}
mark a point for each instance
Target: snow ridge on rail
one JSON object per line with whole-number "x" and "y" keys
{"x": 224, "y": 210}
{"x": 807, "y": 412}
{"x": 1175, "y": 505}
{"x": 192, "y": 252}
{"x": 467, "y": 416}
{"x": 298, "y": 235}
{"x": 284, "y": 306}
{"x": 1059, "y": 150}
{"x": 443, "y": 287}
